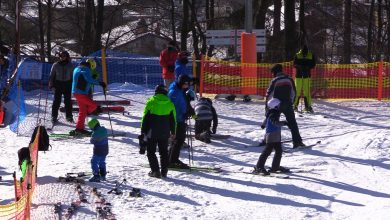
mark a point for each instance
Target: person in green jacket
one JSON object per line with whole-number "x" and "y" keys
{"x": 24, "y": 160}
{"x": 157, "y": 126}
{"x": 304, "y": 61}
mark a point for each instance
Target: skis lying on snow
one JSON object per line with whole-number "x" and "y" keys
{"x": 103, "y": 208}
{"x": 69, "y": 135}
{"x": 68, "y": 178}
{"x": 275, "y": 175}
{"x": 58, "y": 210}
{"x": 74, "y": 206}
{"x": 193, "y": 169}
{"x": 291, "y": 150}
{"x": 104, "y": 109}
{"x": 108, "y": 102}
{"x": 117, "y": 189}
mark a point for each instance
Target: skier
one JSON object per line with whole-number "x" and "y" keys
{"x": 272, "y": 138}
{"x": 205, "y": 113}
{"x": 82, "y": 81}
{"x": 60, "y": 81}
{"x": 181, "y": 64}
{"x": 282, "y": 87}
{"x": 24, "y": 160}
{"x": 304, "y": 61}
{"x": 167, "y": 61}
{"x": 158, "y": 125}
{"x": 177, "y": 94}
{"x": 99, "y": 139}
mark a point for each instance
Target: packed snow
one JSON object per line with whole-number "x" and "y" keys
{"x": 344, "y": 177}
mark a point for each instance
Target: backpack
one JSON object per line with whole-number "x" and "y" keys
{"x": 43, "y": 138}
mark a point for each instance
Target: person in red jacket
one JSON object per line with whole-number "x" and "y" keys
{"x": 167, "y": 61}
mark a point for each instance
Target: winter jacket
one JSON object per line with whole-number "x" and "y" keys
{"x": 206, "y": 112}
{"x": 99, "y": 139}
{"x": 181, "y": 68}
{"x": 82, "y": 80}
{"x": 304, "y": 64}
{"x": 159, "y": 118}
{"x": 273, "y": 127}
{"x": 61, "y": 73}
{"x": 167, "y": 61}
{"x": 281, "y": 87}
{"x": 179, "y": 99}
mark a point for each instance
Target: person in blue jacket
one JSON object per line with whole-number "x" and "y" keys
{"x": 181, "y": 65}
{"x": 99, "y": 139}
{"x": 177, "y": 94}
{"x": 82, "y": 81}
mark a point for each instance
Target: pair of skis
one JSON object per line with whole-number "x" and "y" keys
{"x": 103, "y": 208}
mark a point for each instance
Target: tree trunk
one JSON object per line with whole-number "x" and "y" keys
{"x": 210, "y": 23}
{"x": 277, "y": 15}
{"x": 173, "y": 20}
{"x": 99, "y": 25}
{"x": 388, "y": 30}
{"x": 41, "y": 32}
{"x": 290, "y": 33}
{"x": 369, "y": 31}
{"x": 347, "y": 32}
{"x": 87, "y": 36}
{"x": 48, "y": 30}
{"x": 302, "y": 30}
{"x": 379, "y": 42}
{"x": 184, "y": 26}
{"x": 195, "y": 37}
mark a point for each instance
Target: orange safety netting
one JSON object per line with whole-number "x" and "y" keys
{"x": 20, "y": 208}
{"x": 370, "y": 80}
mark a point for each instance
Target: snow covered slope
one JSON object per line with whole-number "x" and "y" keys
{"x": 344, "y": 177}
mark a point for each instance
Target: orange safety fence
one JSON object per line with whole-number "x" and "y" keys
{"x": 20, "y": 208}
{"x": 369, "y": 80}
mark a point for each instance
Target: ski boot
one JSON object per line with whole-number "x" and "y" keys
{"x": 298, "y": 144}
{"x": 260, "y": 171}
{"x": 279, "y": 170}
{"x": 95, "y": 178}
{"x": 155, "y": 174}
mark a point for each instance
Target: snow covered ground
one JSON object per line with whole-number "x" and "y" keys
{"x": 344, "y": 177}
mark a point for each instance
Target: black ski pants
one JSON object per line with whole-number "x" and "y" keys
{"x": 64, "y": 89}
{"x": 266, "y": 152}
{"x": 174, "y": 151}
{"x": 288, "y": 111}
{"x": 202, "y": 126}
{"x": 151, "y": 154}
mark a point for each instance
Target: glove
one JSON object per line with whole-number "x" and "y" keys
{"x": 171, "y": 68}
{"x": 214, "y": 130}
{"x": 194, "y": 117}
{"x": 103, "y": 84}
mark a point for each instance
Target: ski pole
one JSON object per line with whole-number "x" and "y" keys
{"x": 190, "y": 140}
{"x": 108, "y": 109}
{"x": 188, "y": 143}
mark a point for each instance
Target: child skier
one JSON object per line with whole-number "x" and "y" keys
{"x": 205, "y": 113}
{"x": 100, "y": 150}
{"x": 272, "y": 139}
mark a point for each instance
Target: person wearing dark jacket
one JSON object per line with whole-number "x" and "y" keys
{"x": 282, "y": 87}
{"x": 158, "y": 125}
{"x": 177, "y": 94}
{"x": 304, "y": 61}
{"x": 60, "y": 81}
{"x": 205, "y": 113}
{"x": 3, "y": 72}
{"x": 167, "y": 61}
{"x": 272, "y": 139}
{"x": 99, "y": 139}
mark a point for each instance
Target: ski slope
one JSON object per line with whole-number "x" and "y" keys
{"x": 344, "y": 177}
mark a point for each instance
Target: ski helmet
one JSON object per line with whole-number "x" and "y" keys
{"x": 92, "y": 123}
{"x": 92, "y": 63}
{"x": 161, "y": 89}
{"x": 273, "y": 103}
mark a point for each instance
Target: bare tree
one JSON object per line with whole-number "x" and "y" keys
{"x": 184, "y": 25}
{"x": 290, "y": 33}
{"x": 87, "y": 36}
{"x": 99, "y": 25}
{"x": 210, "y": 16}
{"x": 48, "y": 29}
{"x": 302, "y": 30}
{"x": 173, "y": 20}
{"x": 369, "y": 31}
{"x": 388, "y": 30}
{"x": 41, "y": 31}
{"x": 379, "y": 50}
{"x": 276, "y": 16}
{"x": 347, "y": 32}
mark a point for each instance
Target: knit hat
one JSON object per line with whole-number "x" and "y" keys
{"x": 92, "y": 123}
{"x": 277, "y": 68}
{"x": 161, "y": 89}
{"x": 273, "y": 103}
{"x": 183, "y": 79}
